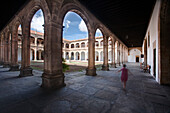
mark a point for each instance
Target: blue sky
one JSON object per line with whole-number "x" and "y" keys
{"x": 75, "y": 28}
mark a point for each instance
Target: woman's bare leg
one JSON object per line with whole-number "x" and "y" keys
{"x": 124, "y": 84}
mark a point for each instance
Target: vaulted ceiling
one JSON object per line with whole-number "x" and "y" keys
{"x": 127, "y": 19}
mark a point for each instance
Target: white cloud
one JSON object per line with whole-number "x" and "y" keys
{"x": 82, "y": 26}
{"x": 37, "y": 22}
{"x": 67, "y": 24}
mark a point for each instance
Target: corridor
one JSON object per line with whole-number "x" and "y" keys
{"x": 84, "y": 94}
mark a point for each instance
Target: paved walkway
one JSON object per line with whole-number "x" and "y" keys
{"x": 84, "y": 94}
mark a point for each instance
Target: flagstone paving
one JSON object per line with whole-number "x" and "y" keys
{"x": 84, "y": 94}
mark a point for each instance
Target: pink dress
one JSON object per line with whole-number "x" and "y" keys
{"x": 124, "y": 75}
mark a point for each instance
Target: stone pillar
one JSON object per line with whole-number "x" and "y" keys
{"x": 5, "y": 65}
{"x": 105, "y": 65}
{"x": 80, "y": 56}
{"x": 35, "y": 41}
{"x": 122, "y": 54}
{"x": 25, "y": 69}
{"x": 91, "y": 70}
{"x": 14, "y": 52}
{"x": 118, "y": 53}
{"x": 35, "y": 54}
{"x": 39, "y": 55}
{"x": 2, "y": 51}
{"x": 113, "y": 64}
{"x": 53, "y": 76}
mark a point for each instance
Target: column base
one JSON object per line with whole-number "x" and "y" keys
{"x": 1, "y": 63}
{"x": 113, "y": 65}
{"x": 14, "y": 68}
{"x": 6, "y": 65}
{"x": 105, "y": 68}
{"x": 51, "y": 81}
{"x": 91, "y": 72}
{"x": 24, "y": 72}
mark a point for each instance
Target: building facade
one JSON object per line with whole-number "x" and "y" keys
{"x": 73, "y": 50}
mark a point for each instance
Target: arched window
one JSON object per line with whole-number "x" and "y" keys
{"x": 82, "y": 44}
{"x": 77, "y": 45}
{"x": 67, "y": 45}
{"x": 96, "y": 43}
{"x": 72, "y": 45}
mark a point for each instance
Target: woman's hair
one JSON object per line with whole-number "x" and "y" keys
{"x": 124, "y": 65}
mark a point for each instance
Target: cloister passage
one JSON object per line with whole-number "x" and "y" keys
{"x": 119, "y": 37}
{"x": 134, "y": 31}
{"x": 84, "y": 93}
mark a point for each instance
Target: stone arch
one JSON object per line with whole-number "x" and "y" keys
{"x": 73, "y": 7}
{"x": 101, "y": 28}
{"x": 15, "y": 27}
{"x": 35, "y": 6}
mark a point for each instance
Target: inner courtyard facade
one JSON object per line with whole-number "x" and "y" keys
{"x": 73, "y": 50}
{"x": 50, "y": 47}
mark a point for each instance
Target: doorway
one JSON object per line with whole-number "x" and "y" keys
{"x": 137, "y": 58}
{"x": 154, "y": 61}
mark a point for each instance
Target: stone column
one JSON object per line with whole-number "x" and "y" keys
{"x": 53, "y": 76}
{"x": 35, "y": 41}
{"x": 2, "y": 51}
{"x": 35, "y": 54}
{"x": 39, "y": 55}
{"x": 80, "y": 56}
{"x": 6, "y": 65}
{"x": 14, "y": 52}
{"x": 122, "y": 54}
{"x": 91, "y": 70}
{"x": 118, "y": 53}
{"x": 105, "y": 66}
{"x": 25, "y": 69}
{"x": 113, "y": 64}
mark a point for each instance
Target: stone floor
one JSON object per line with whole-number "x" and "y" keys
{"x": 84, "y": 94}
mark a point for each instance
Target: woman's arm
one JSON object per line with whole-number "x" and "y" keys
{"x": 119, "y": 70}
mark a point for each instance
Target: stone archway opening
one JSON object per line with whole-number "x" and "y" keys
{"x": 34, "y": 39}
{"x": 98, "y": 47}
{"x": 19, "y": 38}
{"x": 75, "y": 38}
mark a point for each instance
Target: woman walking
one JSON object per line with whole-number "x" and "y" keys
{"x": 124, "y": 75}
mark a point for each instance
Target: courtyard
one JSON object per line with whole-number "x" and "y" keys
{"x": 84, "y": 94}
